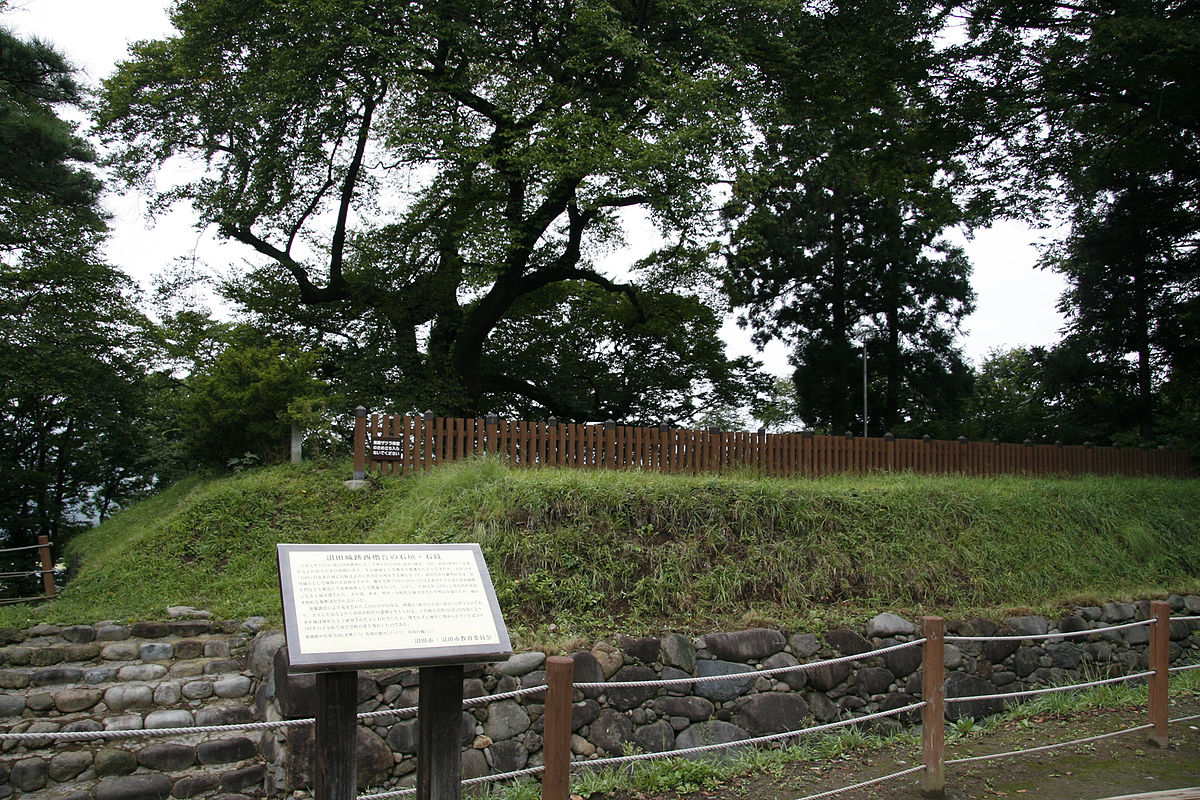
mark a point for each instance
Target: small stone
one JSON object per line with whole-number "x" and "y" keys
{"x": 69, "y": 701}
{"x": 41, "y": 701}
{"x": 54, "y": 675}
{"x": 234, "y": 686}
{"x": 12, "y": 679}
{"x": 167, "y": 694}
{"x": 847, "y": 643}
{"x": 887, "y": 624}
{"x": 187, "y": 649}
{"x": 194, "y": 785}
{"x": 624, "y": 698}
{"x": 78, "y": 634}
{"x": 186, "y": 669}
{"x": 482, "y": 742}
{"x": 133, "y": 787}
{"x": 132, "y": 695}
{"x": 120, "y": 651}
{"x": 795, "y": 679}
{"x": 221, "y": 666}
{"x": 581, "y": 746}
{"x": 714, "y": 732}
{"x": 66, "y": 765}
{"x": 197, "y": 690}
{"x": 150, "y": 630}
{"x": 141, "y": 672}
{"x": 505, "y": 720}
{"x": 1029, "y": 625}
{"x": 181, "y": 612}
{"x": 11, "y": 705}
{"x": 720, "y": 691}
{"x": 95, "y": 675}
{"x": 216, "y": 649}
{"x": 114, "y": 761}
{"x": 519, "y": 664}
{"x": 678, "y": 651}
{"x": 111, "y": 633}
{"x": 225, "y": 751}
{"x": 125, "y": 722}
{"x": 167, "y": 756}
{"x": 169, "y": 718}
{"x": 745, "y": 646}
{"x": 641, "y": 648}
{"x": 609, "y": 658}
{"x": 254, "y": 624}
{"x": 29, "y": 774}
{"x": 156, "y": 651}
{"x": 188, "y": 628}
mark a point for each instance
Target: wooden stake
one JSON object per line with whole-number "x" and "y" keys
{"x": 336, "y": 733}
{"x": 47, "y": 566}
{"x": 933, "y": 715}
{"x": 556, "y": 742}
{"x": 1160, "y": 655}
{"x": 439, "y": 733}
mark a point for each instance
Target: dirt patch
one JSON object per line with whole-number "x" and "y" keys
{"x": 1118, "y": 765}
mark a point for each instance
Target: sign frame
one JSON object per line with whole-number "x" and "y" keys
{"x": 294, "y": 596}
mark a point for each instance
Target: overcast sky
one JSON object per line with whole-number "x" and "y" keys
{"x": 1016, "y": 301}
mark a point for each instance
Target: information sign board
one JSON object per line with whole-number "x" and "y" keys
{"x": 386, "y": 448}
{"x": 366, "y": 606}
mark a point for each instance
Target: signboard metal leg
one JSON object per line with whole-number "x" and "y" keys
{"x": 336, "y": 732}
{"x": 439, "y": 733}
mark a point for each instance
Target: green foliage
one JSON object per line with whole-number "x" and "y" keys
{"x": 836, "y": 227}
{"x": 598, "y": 551}
{"x": 475, "y": 157}
{"x": 48, "y": 198}
{"x": 246, "y": 401}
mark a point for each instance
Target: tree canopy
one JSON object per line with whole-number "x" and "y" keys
{"x": 419, "y": 171}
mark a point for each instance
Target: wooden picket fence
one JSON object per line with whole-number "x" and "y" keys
{"x": 404, "y": 444}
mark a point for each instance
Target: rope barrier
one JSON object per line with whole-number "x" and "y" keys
{"x": 25, "y": 547}
{"x": 1049, "y": 690}
{"x": 482, "y": 701}
{"x": 1183, "y": 719}
{"x": 1183, "y": 668}
{"x": 989, "y": 756}
{"x": 88, "y": 736}
{"x": 774, "y": 737}
{"x": 12, "y": 600}
{"x": 1074, "y": 634}
{"x": 1185, "y": 619}
{"x": 864, "y": 784}
{"x": 756, "y": 673}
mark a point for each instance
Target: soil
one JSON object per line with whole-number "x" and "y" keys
{"x": 1119, "y": 765}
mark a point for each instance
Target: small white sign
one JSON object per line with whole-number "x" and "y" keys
{"x": 362, "y": 606}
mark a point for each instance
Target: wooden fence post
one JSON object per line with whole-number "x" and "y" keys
{"x": 360, "y": 444}
{"x": 1160, "y": 636}
{"x": 47, "y": 566}
{"x": 933, "y": 715}
{"x": 439, "y": 729}
{"x": 336, "y": 736}
{"x": 556, "y": 741}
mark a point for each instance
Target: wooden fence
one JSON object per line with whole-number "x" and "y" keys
{"x": 46, "y": 572}
{"x": 406, "y": 444}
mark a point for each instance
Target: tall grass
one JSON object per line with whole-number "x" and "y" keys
{"x": 597, "y": 551}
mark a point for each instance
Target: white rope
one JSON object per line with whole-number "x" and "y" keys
{"x": 482, "y": 701}
{"x": 1032, "y": 692}
{"x": 1026, "y": 636}
{"x": 872, "y": 782}
{"x": 1185, "y": 619}
{"x": 504, "y": 776}
{"x": 1184, "y": 668}
{"x": 733, "y": 676}
{"x": 970, "y": 759}
{"x": 604, "y": 762}
{"x": 371, "y": 716}
{"x": 1183, "y": 719}
{"x": 87, "y": 736}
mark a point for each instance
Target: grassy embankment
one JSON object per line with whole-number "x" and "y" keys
{"x": 593, "y": 553}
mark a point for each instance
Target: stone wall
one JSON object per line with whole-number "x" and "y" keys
{"x": 201, "y": 672}
{"x": 182, "y": 673}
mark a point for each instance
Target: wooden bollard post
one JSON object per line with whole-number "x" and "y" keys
{"x": 439, "y": 731}
{"x": 336, "y": 734}
{"x": 1160, "y": 655}
{"x": 360, "y": 443}
{"x": 47, "y": 566}
{"x": 556, "y": 741}
{"x": 933, "y": 715}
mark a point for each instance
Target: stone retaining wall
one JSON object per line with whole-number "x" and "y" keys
{"x": 199, "y": 672}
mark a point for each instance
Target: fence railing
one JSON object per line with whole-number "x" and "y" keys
{"x": 46, "y": 572}
{"x": 560, "y": 687}
{"x": 404, "y": 444}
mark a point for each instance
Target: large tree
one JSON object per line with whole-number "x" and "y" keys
{"x": 1094, "y": 117}
{"x": 837, "y": 228}
{"x": 413, "y": 174}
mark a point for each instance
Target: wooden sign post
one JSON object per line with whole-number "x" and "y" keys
{"x": 351, "y": 607}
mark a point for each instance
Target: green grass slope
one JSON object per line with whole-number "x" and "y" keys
{"x": 595, "y": 552}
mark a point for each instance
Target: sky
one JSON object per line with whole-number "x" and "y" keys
{"x": 1016, "y": 302}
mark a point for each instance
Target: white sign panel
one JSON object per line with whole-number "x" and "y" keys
{"x": 361, "y": 606}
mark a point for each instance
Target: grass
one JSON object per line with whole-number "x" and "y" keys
{"x": 581, "y": 554}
